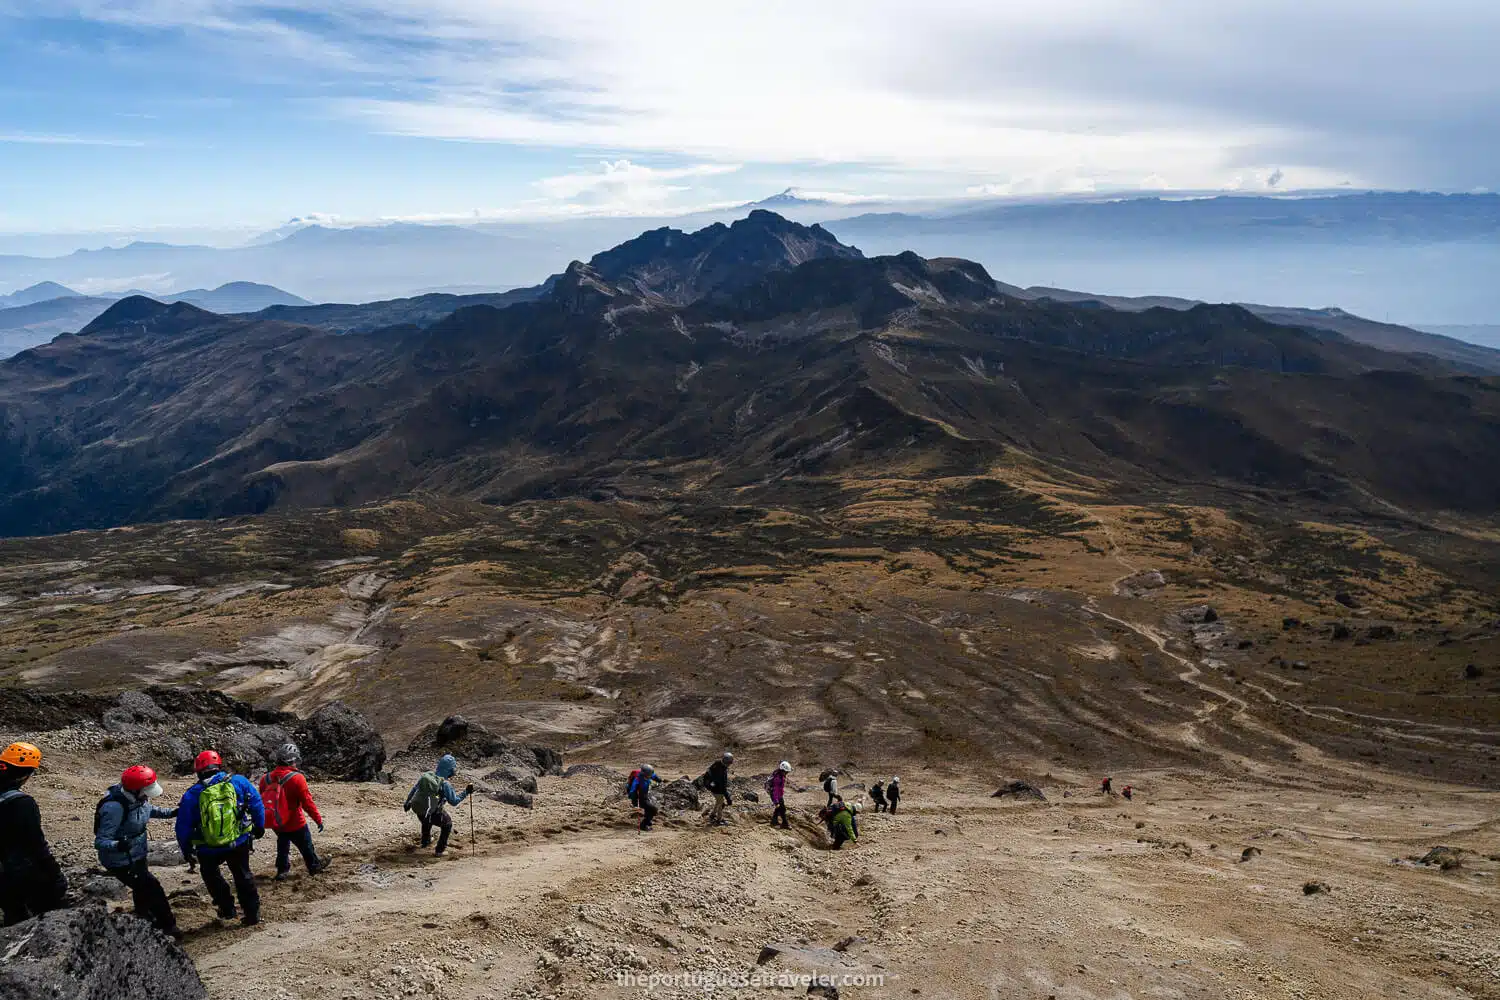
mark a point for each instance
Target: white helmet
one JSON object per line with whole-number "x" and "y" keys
{"x": 895, "y": 781}
{"x": 784, "y": 766}
{"x": 647, "y": 769}
{"x": 728, "y": 757}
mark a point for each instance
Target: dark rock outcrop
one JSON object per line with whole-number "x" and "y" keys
{"x": 1020, "y": 790}
{"x": 472, "y": 743}
{"x": 338, "y": 743}
{"x": 89, "y": 954}
{"x": 679, "y": 795}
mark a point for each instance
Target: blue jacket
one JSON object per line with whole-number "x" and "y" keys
{"x": 445, "y": 793}
{"x": 187, "y": 813}
{"x": 120, "y": 827}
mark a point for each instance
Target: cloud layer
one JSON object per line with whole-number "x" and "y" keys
{"x": 1023, "y": 96}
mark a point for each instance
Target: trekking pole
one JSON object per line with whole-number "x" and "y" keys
{"x": 471, "y": 825}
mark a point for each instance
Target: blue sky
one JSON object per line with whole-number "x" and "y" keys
{"x": 217, "y": 114}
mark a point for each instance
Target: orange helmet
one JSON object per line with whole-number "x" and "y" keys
{"x": 20, "y": 755}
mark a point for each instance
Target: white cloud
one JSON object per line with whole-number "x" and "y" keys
{"x": 1025, "y": 95}
{"x": 35, "y": 139}
{"x": 623, "y": 187}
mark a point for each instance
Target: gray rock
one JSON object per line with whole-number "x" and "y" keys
{"x": 339, "y": 744}
{"x": 163, "y": 854}
{"x": 511, "y": 795}
{"x": 680, "y": 795}
{"x": 89, "y": 954}
{"x": 1020, "y": 790}
{"x": 452, "y": 729}
{"x": 103, "y": 887}
{"x": 524, "y": 780}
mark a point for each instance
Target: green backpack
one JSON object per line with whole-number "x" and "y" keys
{"x": 429, "y": 794}
{"x": 220, "y": 820}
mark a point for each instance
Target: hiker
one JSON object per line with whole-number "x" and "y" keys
{"x": 1127, "y": 793}
{"x": 841, "y": 825}
{"x": 286, "y": 797}
{"x": 831, "y": 785}
{"x": 716, "y": 780}
{"x": 429, "y": 797}
{"x": 638, "y": 787}
{"x": 1105, "y": 787}
{"x": 877, "y": 795}
{"x": 893, "y": 794}
{"x": 776, "y": 788}
{"x": 120, "y": 838}
{"x": 218, "y": 821}
{"x": 31, "y": 882}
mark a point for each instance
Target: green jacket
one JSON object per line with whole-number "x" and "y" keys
{"x": 843, "y": 822}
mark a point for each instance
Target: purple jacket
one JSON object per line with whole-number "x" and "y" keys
{"x": 776, "y": 785}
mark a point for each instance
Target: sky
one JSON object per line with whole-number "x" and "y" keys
{"x": 221, "y": 114}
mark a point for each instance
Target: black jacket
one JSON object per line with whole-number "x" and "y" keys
{"x": 893, "y": 792}
{"x": 717, "y": 778}
{"x": 23, "y": 847}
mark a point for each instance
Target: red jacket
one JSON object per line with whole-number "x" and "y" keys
{"x": 297, "y": 796}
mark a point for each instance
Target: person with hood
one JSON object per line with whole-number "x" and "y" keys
{"x": 893, "y": 794}
{"x": 31, "y": 881}
{"x": 120, "y": 838}
{"x": 218, "y": 821}
{"x": 286, "y": 796}
{"x": 842, "y": 826}
{"x": 716, "y": 780}
{"x": 831, "y": 785}
{"x": 429, "y": 797}
{"x": 877, "y": 795}
{"x": 639, "y": 791}
{"x": 776, "y": 788}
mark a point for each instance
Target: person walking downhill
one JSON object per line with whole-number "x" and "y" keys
{"x": 776, "y": 788}
{"x": 218, "y": 821}
{"x": 841, "y": 824}
{"x": 120, "y": 838}
{"x": 893, "y": 794}
{"x": 716, "y": 780}
{"x": 429, "y": 797}
{"x": 831, "y": 785}
{"x": 31, "y": 881}
{"x": 877, "y": 796}
{"x": 286, "y": 796}
{"x": 639, "y": 790}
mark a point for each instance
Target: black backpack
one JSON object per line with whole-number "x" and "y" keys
{"x": 113, "y": 795}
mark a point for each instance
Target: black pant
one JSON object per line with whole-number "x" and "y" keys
{"x": 831, "y": 797}
{"x": 238, "y": 860}
{"x": 650, "y": 815}
{"x": 780, "y": 811}
{"x": 437, "y": 818}
{"x": 26, "y": 892}
{"x": 893, "y": 805}
{"x": 303, "y": 839}
{"x": 149, "y": 897}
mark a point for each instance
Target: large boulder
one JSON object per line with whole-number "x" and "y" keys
{"x": 472, "y": 743}
{"x": 339, "y": 744}
{"x": 89, "y": 954}
{"x": 679, "y": 795}
{"x": 1019, "y": 790}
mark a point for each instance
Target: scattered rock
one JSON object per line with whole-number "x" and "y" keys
{"x": 596, "y": 771}
{"x": 104, "y": 887}
{"x": 823, "y": 990}
{"x": 1314, "y": 888}
{"x": 1140, "y": 584}
{"x": 1198, "y": 614}
{"x": 1381, "y": 632}
{"x": 849, "y": 942}
{"x": 511, "y": 795}
{"x": 1021, "y": 790}
{"x": 1346, "y": 599}
{"x": 1287, "y": 624}
{"x": 472, "y": 743}
{"x": 1341, "y": 632}
{"x": 1472, "y": 672}
{"x": 163, "y": 854}
{"x": 524, "y": 780}
{"x": 1248, "y": 853}
{"x": 451, "y": 730}
{"x": 89, "y": 954}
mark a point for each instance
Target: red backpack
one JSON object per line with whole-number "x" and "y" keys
{"x": 273, "y": 796}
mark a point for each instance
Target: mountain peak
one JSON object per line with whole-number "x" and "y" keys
{"x": 147, "y": 315}
{"x": 678, "y": 267}
{"x": 42, "y": 291}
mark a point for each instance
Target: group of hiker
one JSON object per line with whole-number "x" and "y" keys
{"x": 217, "y": 822}
{"x": 222, "y": 814}
{"x": 840, "y": 818}
{"x": 1107, "y": 787}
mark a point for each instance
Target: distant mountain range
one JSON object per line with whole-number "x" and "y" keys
{"x": 763, "y": 356}
{"x": 1418, "y": 258}
{"x": 36, "y": 314}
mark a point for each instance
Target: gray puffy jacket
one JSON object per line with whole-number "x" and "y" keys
{"x": 120, "y": 827}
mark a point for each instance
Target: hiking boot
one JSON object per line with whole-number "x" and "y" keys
{"x": 319, "y": 867}
{"x": 249, "y": 920}
{"x": 438, "y": 854}
{"x": 228, "y": 913}
{"x": 283, "y": 876}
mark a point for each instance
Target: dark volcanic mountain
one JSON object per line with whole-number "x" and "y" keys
{"x": 679, "y": 268}
{"x": 647, "y": 375}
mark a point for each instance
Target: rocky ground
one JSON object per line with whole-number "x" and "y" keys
{"x": 1200, "y": 887}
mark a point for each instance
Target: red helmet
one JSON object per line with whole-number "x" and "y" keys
{"x": 136, "y": 778}
{"x": 206, "y": 760}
